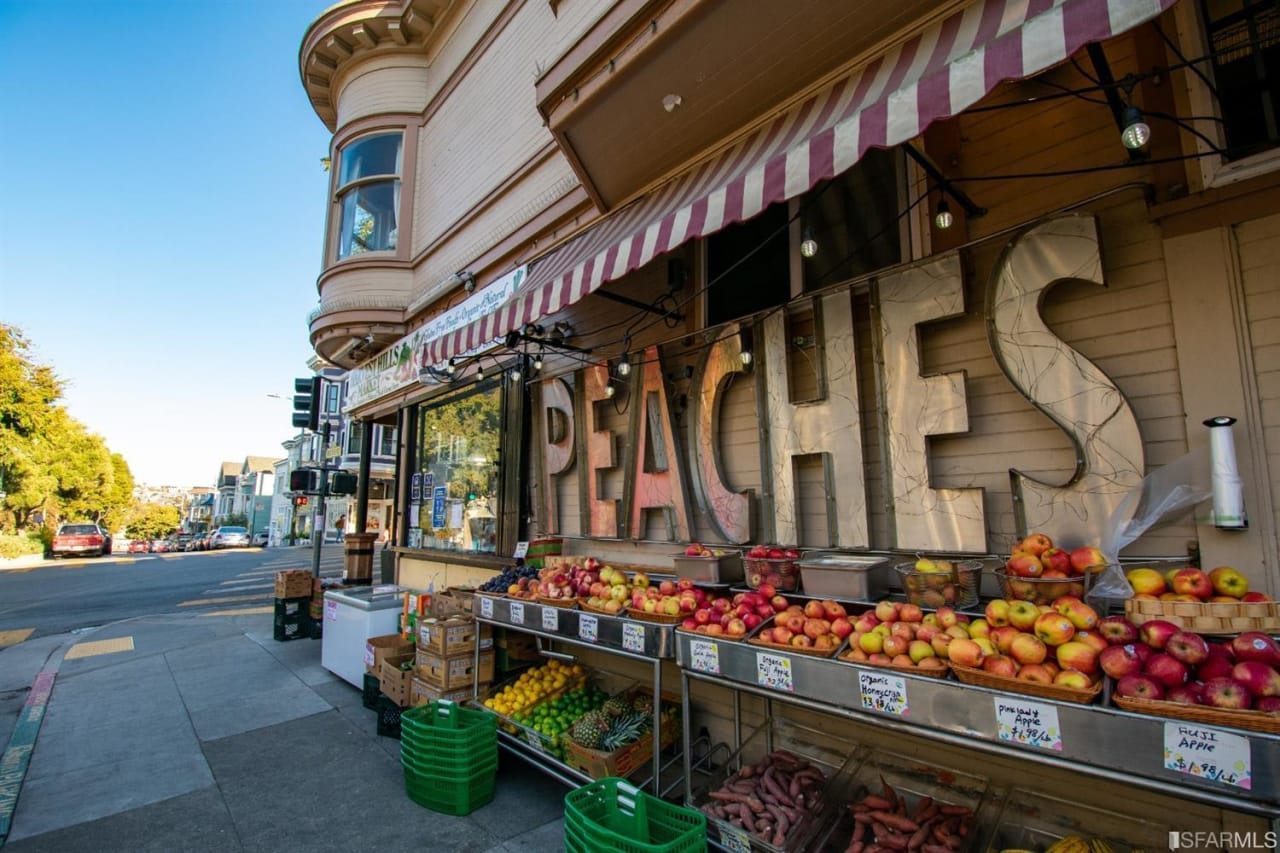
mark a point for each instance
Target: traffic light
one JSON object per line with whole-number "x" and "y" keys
{"x": 342, "y": 483}
{"x": 304, "y": 480}
{"x": 301, "y": 500}
{"x": 306, "y": 403}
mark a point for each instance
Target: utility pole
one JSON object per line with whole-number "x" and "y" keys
{"x": 319, "y": 524}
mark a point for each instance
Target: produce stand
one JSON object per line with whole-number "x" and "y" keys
{"x": 647, "y": 642}
{"x": 1096, "y": 740}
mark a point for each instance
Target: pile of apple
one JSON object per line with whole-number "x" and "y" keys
{"x": 1037, "y": 557}
{"x": 1224, "y": 584}
{"x": 1162, "y": 662}
{"x": 819, "y": 625}
{"x": 900, "y": 634}
{"x": 697, "y": 549}
{"x": 1056, "y": 643}
{"x": 731, "y": 617}
{"x": 668, "y": 598}
{"x": 780, "y": 572}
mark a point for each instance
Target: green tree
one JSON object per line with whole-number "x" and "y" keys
{"x": 119, "y": 494}
{"x": 152, "y": 521}
{"x": 462, "y": 437}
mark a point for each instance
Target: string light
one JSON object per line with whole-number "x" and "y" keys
{"x": 944, "y": 219}
{"x": 515, "y": 374}
{"x": 609, "y": 390}
{"x": 537, "y": 361}
{"x": 479, "y": 371}
{"x": 1136, "y": 132}
{"x": 451, "y": 368}
{"x": 624, "y": 366}
{"x": 745, "y": 356}
{"x": 808, "y": 246}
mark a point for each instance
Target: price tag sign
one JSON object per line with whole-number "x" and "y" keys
{"x": 517, "y": 612}
{"x": 884, "y": 693}
{"x": 632, "y": 637}
{"x": 486, "y": 607}
{"x": 331, "y": 612}
{"x": 550, "y": 619}
{"x": 588, "y": 627}
{"x": 1028, "y": 723}
{"x": 1208, "y": 754}
{"x": 774, "y": 672}
{"x": 368, "y": 655}
{"x": 734, "y": 839}
{"x": 704, "y": 656}
{"x": 531, "y": 738}
{"x": 522, "y": 549}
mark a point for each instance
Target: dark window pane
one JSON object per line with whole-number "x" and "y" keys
{"x": 758, "y": 282}
{"x": 370, "y": 156}
{"x": 854, "y": 220}
{"x": 1245, "y": 39}
{"x": 369, "y": 219}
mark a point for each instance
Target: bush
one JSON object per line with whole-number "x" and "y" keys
{"x": 21, "y": 545}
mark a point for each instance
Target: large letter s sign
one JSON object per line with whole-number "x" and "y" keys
{"x": 1063, "y": 384}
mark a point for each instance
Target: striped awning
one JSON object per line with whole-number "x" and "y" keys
{"x": 891, "y": 100}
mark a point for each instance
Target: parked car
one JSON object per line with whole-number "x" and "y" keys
{"x": 139, "y": 546}
{"x": 179, "y": 542}
{"x": 80, "y": 539}
{"x": 160, "y": 546}
{"x": 259, "y": 540}
{"x": 229, "y": 537}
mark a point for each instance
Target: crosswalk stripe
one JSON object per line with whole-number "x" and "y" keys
{"x": 243, "y": 611}
{"x": 99, "y": 647}
{"x": 226, "y": 599}
{"x": 237, "y": 584}
{"x": 12, "y": 638}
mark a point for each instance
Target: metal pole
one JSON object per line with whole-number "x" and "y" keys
{"x": 318, "y": 522}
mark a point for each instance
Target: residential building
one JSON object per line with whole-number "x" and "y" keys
{"x": 227, "y": 486}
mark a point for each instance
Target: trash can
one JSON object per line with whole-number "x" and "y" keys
{"x": 359, "y": 562}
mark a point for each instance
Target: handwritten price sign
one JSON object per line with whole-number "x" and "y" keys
{"x": 1028, "y": 723}
{"x": 734, "y": 840}
{"x": 704, "y": 656}
{"x": 774, "y": 672}
{"x": 1208, "y": 754}
{"x": 531, "y": 738}
{"x": 331, "y": 611}
{"x": 550, "y": 619}
{"x": 632, "y": 637}
{"x": 517, "y": 612}
{"x": 486, "y": 607}
{"x": 588, "y": 627}
{"x": 884, "y": 693}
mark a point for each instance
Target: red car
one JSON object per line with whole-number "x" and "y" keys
{"x": 81, "y": 540}
{"x": 139, "y": 546}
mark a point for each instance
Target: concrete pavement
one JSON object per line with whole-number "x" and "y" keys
{"x": 191, "y": 732}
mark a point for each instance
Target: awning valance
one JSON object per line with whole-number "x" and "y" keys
{"x": 886, "y": 102}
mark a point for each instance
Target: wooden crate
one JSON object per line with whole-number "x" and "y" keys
{"x": 421, "y": 692}
{"x": 293, "y": 583}
{"x": 449, "y": 673}
{"x": 621, "y": 762}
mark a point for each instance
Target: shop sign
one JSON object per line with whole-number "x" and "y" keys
{"x": 415, "y": 488}
{"x": 486, "y": 607}
{"x": 884, "y": 693}
{"x": 517, "y": 612}
{"x": 439, "y": 495}
{"x": 1060, "y": 382}
{"x": 1028, "y": 723}
{"x": 704, "y": 656}
{"x": 1208, "y": 753}
{"x": 398, "y": 365}
{"x": 633, "y": 637}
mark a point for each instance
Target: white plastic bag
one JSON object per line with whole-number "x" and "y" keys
{"x": 1165, "y": 493}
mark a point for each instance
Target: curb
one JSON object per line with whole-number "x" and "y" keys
{"x": 13, "y": 764}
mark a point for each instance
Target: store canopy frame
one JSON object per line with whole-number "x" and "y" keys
{"x": 886, "y": 102}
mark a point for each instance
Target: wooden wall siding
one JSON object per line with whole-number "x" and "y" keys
{"x": 869, "y": 411}
{"x": 489, "y": 125}
{"x": 370, "y": 282}
{"x": 386, "y": 84}
{"x": 1259, "y": 247}
{"x": 811, "y": 496}
{"x": 740, "y": 442}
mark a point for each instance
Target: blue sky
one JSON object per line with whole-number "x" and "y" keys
{"x": 161, "y": 230}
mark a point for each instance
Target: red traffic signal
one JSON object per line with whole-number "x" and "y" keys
{"x": 301, "y": 500}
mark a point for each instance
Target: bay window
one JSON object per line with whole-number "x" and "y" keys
{"x": 368, "y": 193}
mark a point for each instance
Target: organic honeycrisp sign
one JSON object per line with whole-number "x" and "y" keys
{"x": 884, "y": 693}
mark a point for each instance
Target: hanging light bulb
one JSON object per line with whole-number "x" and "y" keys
{"x": 944, "y": 219}
{"x": 745, "y": 355}
{"x": 515, "y": 374}
{"x": 537, "y": 361}
{"x": 609, "y": 390}
{"x": 808, "y": 246}
{"x": 1136, "y": 132}
{"x": 451, "y": 368}
{"x": 624, "y": 366}
{"x": 479, "y": 371}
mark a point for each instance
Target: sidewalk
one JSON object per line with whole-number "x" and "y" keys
{"x": 210, "y": 735}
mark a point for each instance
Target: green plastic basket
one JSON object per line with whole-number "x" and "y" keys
{"x": 430, "y": 749}
{"x": 447, "y": 723}
{"x": 453, "y": 803}
{"x": 612, "y": 814}
{"x": 432, "y": 766}
{"x": 451, "y": 794}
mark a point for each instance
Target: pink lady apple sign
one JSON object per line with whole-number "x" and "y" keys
{"x": 1028, "y": 723}
{"x": 704, "y": 656}
{"x": 1208, "y": 754}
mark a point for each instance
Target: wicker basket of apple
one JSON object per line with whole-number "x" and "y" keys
{"x": 1039, "y": 572}
{"x": 730, "y": 618}
{"x": 818, "y": 628}
{"x": 773, "y": 565}
{"x": 903, "y": 637}
{"x": 1160, "y": 668}
{"x": 933, "y": 582}
{"x": 1214, "y": 602}
{"x": 1046, "y": 650}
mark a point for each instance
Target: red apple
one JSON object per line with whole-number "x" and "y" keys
{"x": 1035, "y": 672}
{"x": 1255, "y": 645}
{"x": 1166, "y": 670}
{"x": 1261, "y": 679}
{"x": 1000, "y": 665}
{"x": 1028, "y": 648}
{"x": 1267, "y": 704}
{"x": 1157, "y": 632}
{"x": 685, "y": 583}
{"x": 1054, "y": 628}
{"x": 1138, "y": 686}
{"x": 1252, "y": 597}
{"x": 1188, "y": 647}
{"x": 1086, "y": 560}
{"x": 1119, "y": 661}
{"x": 1082, "y": 616}
{"x": 910, "y": 613}
{"x": 702, "y": 616}
{"x": 1002, "y": 638}
{"x": 1227, "y": 693}
{"x": 802, "y": 641}
{"x": 751, "y": 620}
{"x": 1078, "y": 656}
{"x": 766, "y": 591}
{"x": 1185, "y": 694}
{"x": 1192, "y": 582}
{"x": 1214, "y": 666}
{"x": 690, "y": 624}
{"x": 965, "y": 652}
{"x": 1056, "y": 559}
{"x": 1117, "y": 630}
{"x": 997, "y": 613}
{"x": 887, "y": 611}
{"x": 668, "y": 588}
{"x": 813, "y": 609}
{"x": 778, "y": 603}
{"x": 782, "y": 636}
{"x": 1025, "y": 565}
{"x": 1073, "y": 679}
{"x": 841, "y": 627}
{"x": 1092, "y": 639}
{"x": 1035, "y": 544}
{"x": 833, "y": 610}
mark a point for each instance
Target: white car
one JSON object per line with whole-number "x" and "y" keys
{"x": 229, "y": 537}
{"x": 258, "y": 540}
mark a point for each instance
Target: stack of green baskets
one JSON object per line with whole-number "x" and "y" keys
{"x": 612, "y": 814}
{"x": 450, "y": 756}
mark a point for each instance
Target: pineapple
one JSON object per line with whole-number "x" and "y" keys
{"x": 643, "y": 703}
{"x": 626, "y": 729}
{"x": 615, "y": 707}
{"x": 590, "y": 729}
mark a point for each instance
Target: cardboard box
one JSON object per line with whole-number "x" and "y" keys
{"x": 395, "y": 682}
{"x": 421, "y": 693}
{"x": 293, "y": 583}
{"x": 452, "y": 636}
{"x": 449, "y": 673}
{"x": 377, "y": 649}
{"x": 622, "y": 762}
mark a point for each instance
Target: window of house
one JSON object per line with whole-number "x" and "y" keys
{"x": 457, "y": 453}
{"x": 1244, "y": 40}
{"x": 368, "y": 194}
{"x": 355, "y": 434}
{"x": 386, "y": 444}
{"x": 331, "y": 394}
{"x": 853, "y": 220}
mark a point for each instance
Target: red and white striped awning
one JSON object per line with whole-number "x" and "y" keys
{"x": 889, "y": 101}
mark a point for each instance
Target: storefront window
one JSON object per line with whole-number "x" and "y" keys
{"x": 455, "y": 500}
{"x": 854, "y": 221}
{"x": 1244, "y": 36}
{"x": 369, "y": 194}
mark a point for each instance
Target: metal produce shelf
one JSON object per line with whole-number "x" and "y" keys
{"x": 1093, "y": 739}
